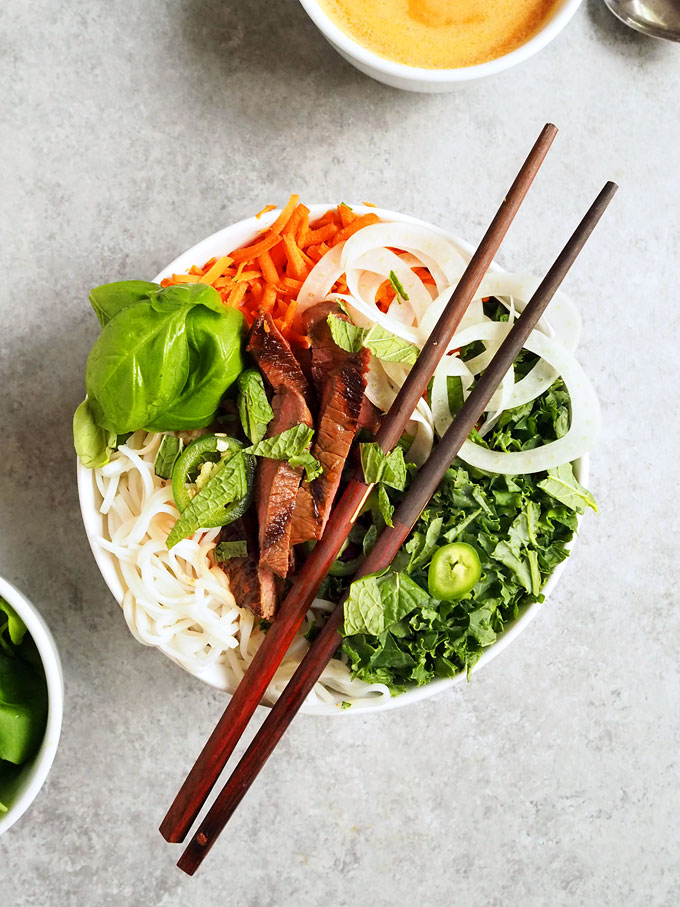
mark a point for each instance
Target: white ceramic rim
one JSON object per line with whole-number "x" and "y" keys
{"x": 47, "y": 649}
{"x": 219, "y": 244}
{"x": 389, "y": 68}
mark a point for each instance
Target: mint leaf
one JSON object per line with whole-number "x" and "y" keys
{"x": 385, "y": 505}
{"x": 375, "y": 603}
{"x": 224, "y": 551}
{"x": 253, "y": 406}
{"x": 168, "y": 451}
{"x": 310, "y": 464}
{"x": 346, "y": 335}
{"x": 288, "y": 443}
{"x": 229, "y": 483}
{"x": 390, "y": 348}
{"x": 382, "y": 343}
{"x": 381, "y": 467}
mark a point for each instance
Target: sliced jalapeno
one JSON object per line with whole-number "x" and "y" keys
{"x": 454, "y": 570}
{"x": 207, "y": 448}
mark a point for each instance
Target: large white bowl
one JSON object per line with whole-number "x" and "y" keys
{"x": 35, "y": 772}
{"x": 219, "y": 244}
{"x": 413, "y": 78}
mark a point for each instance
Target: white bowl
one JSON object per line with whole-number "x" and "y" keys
{"x": 413, "y": 78}
{"x": 219, "y": 244}
{"x": 34, "y": 773}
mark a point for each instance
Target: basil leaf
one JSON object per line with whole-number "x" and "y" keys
{"x": 375, "y": 603}
{"x": 215, "y": 362}
{"x": 111, "y": 298}
{"x": 563, "y": 485}
{"x": 226, "y": 550}
{"x": 168, "y": 451}
{"x": 380, "y": 467}
{"x": 92, "y": 443}
{"x": 253, "y": 405}
{"x": 164, "y": 362}
{"x": 137, "y": 366}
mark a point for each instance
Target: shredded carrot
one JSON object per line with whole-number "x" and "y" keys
{"x": 267, "y": 275}
{"x": 265, "y": 210}
{"x": 268, "y": 298}
{"x": 268, "y": 268}
{"x": 290, "y": 314}
{"x": 216, "y": 270}
{"x": 250, "y": 253}
{"x": 235, "y": 298}
{"x": 285, "y": 215}
{"x": 346, "y": 214}
{"x": 304, "y": 226}
{"x": 296, "y": 264}
{"x": 364, "y": 221}
{"x": 313, "y": 237}
{"x": 293, "y": 224}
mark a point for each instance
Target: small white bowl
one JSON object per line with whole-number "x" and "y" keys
{"x": 90, "y": 499}
{"x": 413, "y": 78}
{"x": 35, "y": 772}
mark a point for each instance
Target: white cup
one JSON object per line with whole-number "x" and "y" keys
{"x": 413, "y": 78}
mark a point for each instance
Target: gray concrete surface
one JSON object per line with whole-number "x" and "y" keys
{"x": 131, "y": 130}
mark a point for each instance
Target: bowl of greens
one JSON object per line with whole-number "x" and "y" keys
{"x": 31, "y": 703}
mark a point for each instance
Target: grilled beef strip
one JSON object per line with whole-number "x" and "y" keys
{"x": 256, "y": 587}
{"x": 277, "y": 483}
{"x": 340, "y": 378}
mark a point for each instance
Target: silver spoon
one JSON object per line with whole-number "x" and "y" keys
{"x": 658, "y": 18}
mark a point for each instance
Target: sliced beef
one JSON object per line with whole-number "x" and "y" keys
{"x": 370, "y": 417}
{"x": 255, "y": 587}
{"x": 274, "y": 356}
{"x": 277, "y": 483}
{"x": 340, "y": 379}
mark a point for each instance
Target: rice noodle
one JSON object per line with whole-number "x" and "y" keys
{"x": 179, "y": 601}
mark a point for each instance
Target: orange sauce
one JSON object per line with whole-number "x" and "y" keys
{"x": 440, "y": 34}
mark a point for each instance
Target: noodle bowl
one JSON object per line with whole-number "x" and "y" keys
{"x": 178, "y": 600}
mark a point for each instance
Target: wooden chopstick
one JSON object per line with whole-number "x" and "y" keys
{"x": 219, "y": 746}
{"x": 389, "y": 542}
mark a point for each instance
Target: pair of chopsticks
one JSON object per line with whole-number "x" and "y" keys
{"x": 228, "y": 731}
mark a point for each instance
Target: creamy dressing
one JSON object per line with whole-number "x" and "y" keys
{"x": 440, "y": 34}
